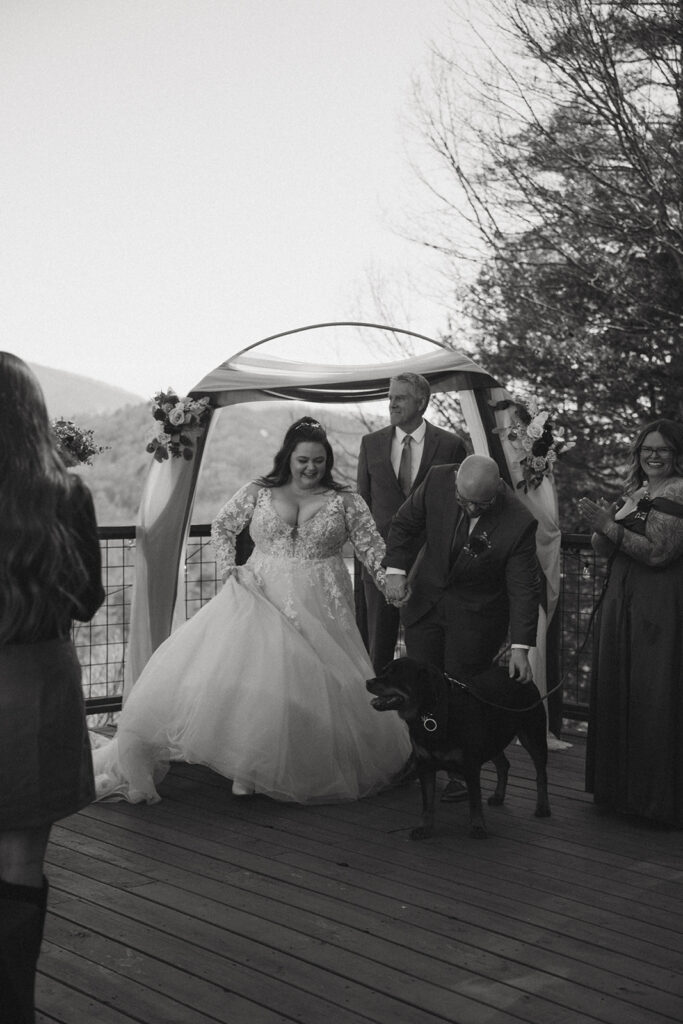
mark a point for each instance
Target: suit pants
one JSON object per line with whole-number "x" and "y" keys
{"x": 383, "y": 624}
{"x": 454, "y": 639}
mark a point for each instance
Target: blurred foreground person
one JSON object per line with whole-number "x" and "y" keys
{"x": 50, "y": 574}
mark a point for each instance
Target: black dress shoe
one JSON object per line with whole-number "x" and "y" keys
{"x": 454, "y": 792}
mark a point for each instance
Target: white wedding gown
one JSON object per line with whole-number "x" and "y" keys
{"x": 266, "y": 683}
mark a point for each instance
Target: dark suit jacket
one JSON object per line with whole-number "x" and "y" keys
{"x": 496, "y": 574}
{"x": 377, "y": 482}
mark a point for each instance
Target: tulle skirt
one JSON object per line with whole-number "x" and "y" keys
{"x": 265, "y": 684}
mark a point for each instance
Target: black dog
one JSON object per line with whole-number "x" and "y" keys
{"x": 454, "y": 727}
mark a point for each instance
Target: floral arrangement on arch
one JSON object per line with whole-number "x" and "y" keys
{"x": 75, "y": 445}
{"x": 534, "y": 435}
{"x": 179, "y": 416}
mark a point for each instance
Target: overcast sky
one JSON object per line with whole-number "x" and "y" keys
{"x": 183, "y": 177}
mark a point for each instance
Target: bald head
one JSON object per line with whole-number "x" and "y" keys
{"x": 478, "y": 479}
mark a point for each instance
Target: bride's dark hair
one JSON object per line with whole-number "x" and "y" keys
{"x": 38, "y": 554}
{"x": 305, "y": 429}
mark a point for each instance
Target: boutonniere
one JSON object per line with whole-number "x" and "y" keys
{"x": 477, "y": 544}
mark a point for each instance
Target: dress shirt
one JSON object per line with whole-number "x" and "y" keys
{"x": 417, "y": 448}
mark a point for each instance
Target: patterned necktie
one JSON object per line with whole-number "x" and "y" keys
{"x": 405, "y": 468}
{"x": 460, "y": 535}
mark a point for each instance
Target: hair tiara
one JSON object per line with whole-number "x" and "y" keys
{"x": 313, "y": 424}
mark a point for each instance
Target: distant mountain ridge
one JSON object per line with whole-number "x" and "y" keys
{"x": 70, "y": 395}
{"x": 242, "y": 448}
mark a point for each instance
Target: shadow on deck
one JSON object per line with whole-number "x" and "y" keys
{"x": 208, "y": 908}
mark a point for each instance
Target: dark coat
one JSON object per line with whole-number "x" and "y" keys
{"x": 496, "y": 575}
{"x": 377, "y": 482}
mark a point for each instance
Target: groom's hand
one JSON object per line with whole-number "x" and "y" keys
{"x": 395, "y": 588}
{"x": 520, "y": 666}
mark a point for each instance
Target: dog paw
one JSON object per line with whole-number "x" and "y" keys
{"x": 495, "y": 800}
{"x": 478, "y": 832}
{"x": 421, "y": 833}
{"x": 542, "y": 812}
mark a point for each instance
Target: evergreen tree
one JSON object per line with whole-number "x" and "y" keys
{"x": 571, "y": 181}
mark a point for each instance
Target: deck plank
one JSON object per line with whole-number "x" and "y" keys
{"x": 209, "y": 908}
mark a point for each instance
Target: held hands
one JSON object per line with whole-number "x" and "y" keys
{"x": 520, "y": 666}
{"x": 396, "y": 589}
{"x": 597, "y": 514}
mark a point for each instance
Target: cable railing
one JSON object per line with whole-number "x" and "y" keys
{"x": 101, "y": 643}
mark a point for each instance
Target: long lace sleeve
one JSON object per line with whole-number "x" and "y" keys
{"x": 363, "y": 534}
{"x": 231, "y": 519}
{"x": 663, "y": 540}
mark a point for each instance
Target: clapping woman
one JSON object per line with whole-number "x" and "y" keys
{"x": 50, "y": 573}
{"x": 634, "y": 761}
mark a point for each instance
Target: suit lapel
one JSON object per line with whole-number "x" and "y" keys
{"x": 451, "y": 512}
{"x": 431, "y": 443}
{"x": 486, "y": 524}
{"x": 385, "y": 442}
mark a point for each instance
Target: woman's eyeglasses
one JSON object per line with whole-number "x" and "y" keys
{"x": 661, "y": 452}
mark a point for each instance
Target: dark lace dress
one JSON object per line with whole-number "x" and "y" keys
{"x": 634, "y": 757}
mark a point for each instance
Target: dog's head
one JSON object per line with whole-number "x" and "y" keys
{"x": 411, "y": 688}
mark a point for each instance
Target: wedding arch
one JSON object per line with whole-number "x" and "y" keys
{"x": 168, "y": 494}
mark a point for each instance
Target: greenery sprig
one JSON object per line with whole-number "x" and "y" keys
{"x": 76, "y": 445}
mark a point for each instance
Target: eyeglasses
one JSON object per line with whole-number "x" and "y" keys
{"x": 465, "y": 503}
{"x": 661, "y": 452}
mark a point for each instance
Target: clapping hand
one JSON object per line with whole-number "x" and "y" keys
{"x": 597, "y": 514}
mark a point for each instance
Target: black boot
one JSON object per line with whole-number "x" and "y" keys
{"x": 22, "y": 916}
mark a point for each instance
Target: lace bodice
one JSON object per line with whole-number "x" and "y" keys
{"x": 345, "y": 516}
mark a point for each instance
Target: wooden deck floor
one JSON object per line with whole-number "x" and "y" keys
{"x": 206, "y": 908}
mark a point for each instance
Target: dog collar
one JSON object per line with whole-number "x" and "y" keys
{"x": 429, "y": 723}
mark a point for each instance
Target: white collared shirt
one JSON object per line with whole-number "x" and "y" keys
{"x": 417, "y": 447}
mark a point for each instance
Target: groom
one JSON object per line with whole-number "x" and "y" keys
{"x": 478, "y": 575}
{"x": 392, "y": 462}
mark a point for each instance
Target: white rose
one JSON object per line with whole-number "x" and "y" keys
{"x": 177, "y": 415}
{"x": 537, "y": 425}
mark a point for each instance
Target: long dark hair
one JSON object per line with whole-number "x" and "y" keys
{"x": 672, "y": 431}
{"x": 38, "y": 554}
{"x": 305, "y": 429}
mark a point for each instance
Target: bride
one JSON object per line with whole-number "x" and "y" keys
{"x": 266, "y": 683}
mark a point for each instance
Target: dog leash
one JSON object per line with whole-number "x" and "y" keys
{"x": 503, "y": 707}
{"x": 589, "y": 627}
